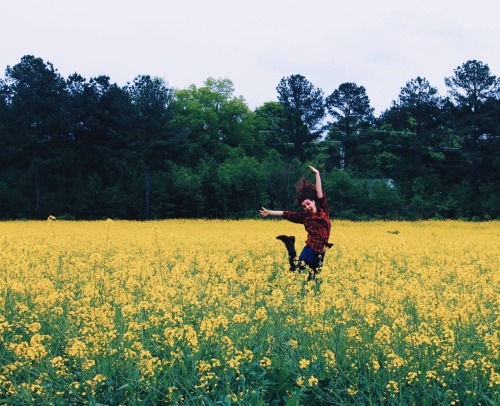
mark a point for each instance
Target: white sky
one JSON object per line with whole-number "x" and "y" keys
{"x": 380, "y": 45}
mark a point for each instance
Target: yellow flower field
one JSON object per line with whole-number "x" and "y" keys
{"x": 199, "y": 312}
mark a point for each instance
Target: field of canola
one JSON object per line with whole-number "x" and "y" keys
{"x": 205, "y": 312}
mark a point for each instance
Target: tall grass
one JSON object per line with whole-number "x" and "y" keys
{"x": 205, "y": 312}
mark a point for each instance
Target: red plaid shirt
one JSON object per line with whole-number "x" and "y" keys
{"x": 317, "y": 224}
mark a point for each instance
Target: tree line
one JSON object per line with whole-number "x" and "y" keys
{"x": 82, "y": 148}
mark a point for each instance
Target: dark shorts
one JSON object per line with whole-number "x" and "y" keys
{"x": 311, "y": 257}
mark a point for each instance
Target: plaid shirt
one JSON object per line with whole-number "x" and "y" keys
{"x": 317, "y": 225}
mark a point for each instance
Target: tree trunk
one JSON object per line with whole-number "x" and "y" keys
{"x": 147, "y": 178}
{"x": 36, "y": 178}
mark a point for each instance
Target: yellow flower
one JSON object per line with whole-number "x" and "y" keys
{"x": 212, "y": 287}
{"x": 234, "y": 363}
{"x": 494, "y": 380}
{"x": 304, "y": 363}
{"x": 312, "y": 381}
{"x": 34, "y": 327}
{"x": 330, "y": 358}
{"x": 469, "y": 364}
{"x": 260, "y": 314}
{"x": 57, "y": 361}
{"x": 265, "y": 362}
{"x": 87, "y": 364}
{"x": 203, "y": 367}
{"x": 392, "y": 387}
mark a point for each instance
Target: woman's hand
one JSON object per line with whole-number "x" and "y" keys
{"x": 319, "y": 189}
{"x": 265, "y": 212}
{"x": 315, "y": 171}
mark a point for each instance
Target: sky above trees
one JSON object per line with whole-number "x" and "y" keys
{"x": 379, "y": 45}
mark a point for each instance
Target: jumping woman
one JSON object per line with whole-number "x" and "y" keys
{"x": 316, "y": 220}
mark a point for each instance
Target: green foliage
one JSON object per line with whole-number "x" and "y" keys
{"x": 304, "y": 110}
{"x": 89, "y": 149}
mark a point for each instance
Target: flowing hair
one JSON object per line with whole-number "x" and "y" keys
{"x": 305, "y": 191}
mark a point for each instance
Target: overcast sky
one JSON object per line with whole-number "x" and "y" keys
{"x": 380, "y": 45}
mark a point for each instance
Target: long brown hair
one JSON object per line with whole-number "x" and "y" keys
{"x": 305, "y": 191}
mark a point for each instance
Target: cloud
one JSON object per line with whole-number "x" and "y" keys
{"x": 380, "y": 45}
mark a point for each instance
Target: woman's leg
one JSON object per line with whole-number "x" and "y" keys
{"x": 314, "y": 260}
{"x": 289, "y": 242}
{"x": 315, "y": 269}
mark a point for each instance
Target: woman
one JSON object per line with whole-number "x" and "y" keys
{"x": 316, "y": 220}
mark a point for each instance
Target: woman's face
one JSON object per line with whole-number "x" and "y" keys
{"x": 309, "y": 206}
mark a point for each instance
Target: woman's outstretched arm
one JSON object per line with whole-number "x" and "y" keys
{"x": 265, "y": 212}
{"x": 319, "y": 188}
